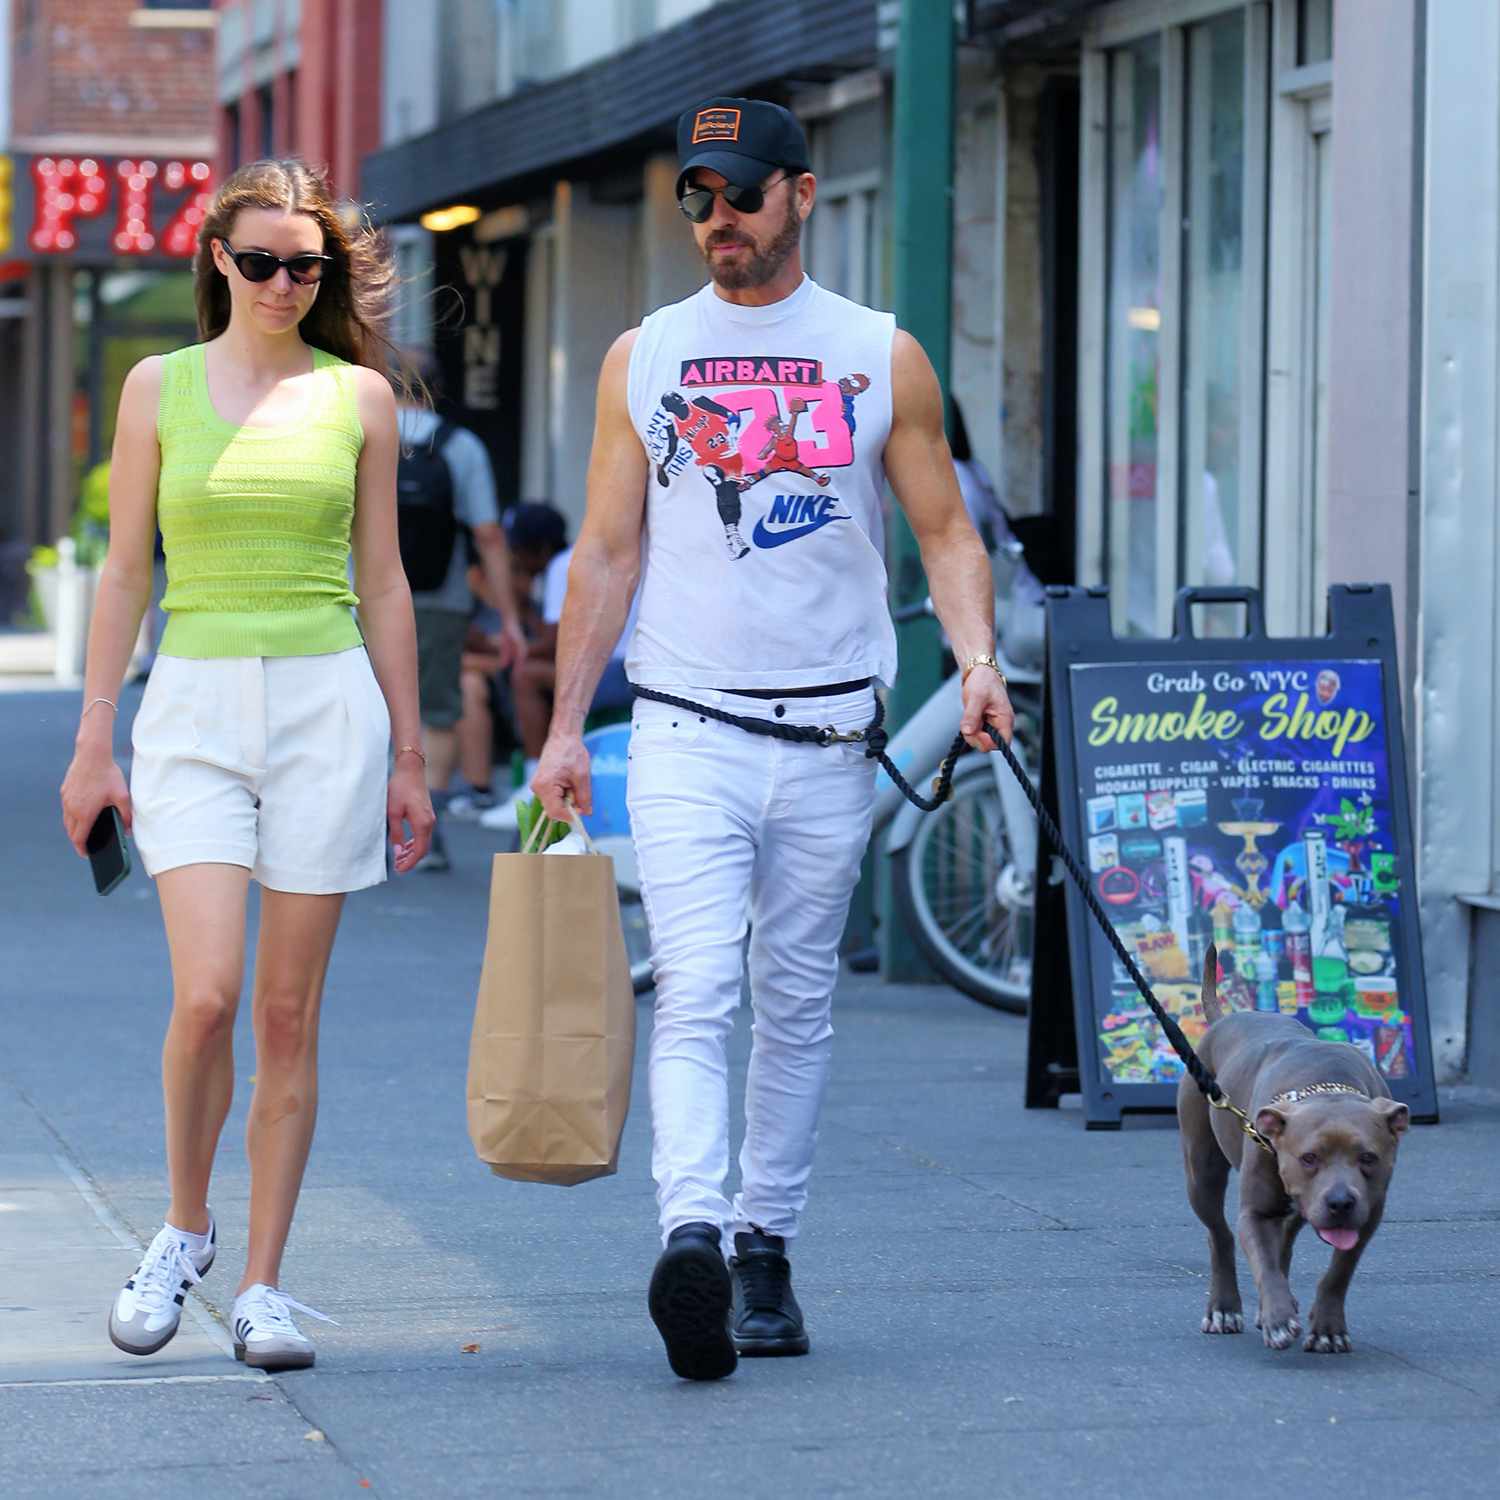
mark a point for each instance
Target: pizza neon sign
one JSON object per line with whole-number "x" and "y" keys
{"x": 71, "y": 189}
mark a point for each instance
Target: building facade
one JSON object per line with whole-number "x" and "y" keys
{"x": 110, "y": 159}
{"x": 300, "y": 78}
{"x": 1224, "y": 289}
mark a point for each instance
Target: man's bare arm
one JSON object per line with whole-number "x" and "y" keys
{"x": 919, "y": 465}
{"x": 602, "y": 576}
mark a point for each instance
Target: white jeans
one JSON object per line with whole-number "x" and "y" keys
{"x": 731, "y": 827}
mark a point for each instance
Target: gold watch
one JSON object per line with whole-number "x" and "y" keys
{"x": 987, "y": 660}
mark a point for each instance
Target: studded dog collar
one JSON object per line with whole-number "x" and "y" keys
{"x": 1295, "y": 1096}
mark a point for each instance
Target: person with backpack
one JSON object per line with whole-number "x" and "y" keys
{"x": 445, "y": 498}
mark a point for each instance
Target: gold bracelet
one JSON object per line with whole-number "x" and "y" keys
{"x": 92, "y": 701}
{"x": 415, "y": 750}
{"x": 987, "y": 660}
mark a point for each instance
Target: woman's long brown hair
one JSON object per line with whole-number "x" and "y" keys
{"x": 354, "y": 297}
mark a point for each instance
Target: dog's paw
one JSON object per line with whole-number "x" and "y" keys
{"x": 1280, "y": 1333}
{"x": 1326, "y": 1332}
{"x": 1223, "y": 1320}
{"x": 1327, "y": 1343}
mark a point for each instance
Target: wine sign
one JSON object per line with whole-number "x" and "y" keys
{"x": 1247, "y": 792}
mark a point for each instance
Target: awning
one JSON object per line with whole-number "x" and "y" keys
{"x": 738, "y": 47}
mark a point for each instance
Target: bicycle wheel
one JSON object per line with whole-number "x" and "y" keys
{"x": 969, "y": 908}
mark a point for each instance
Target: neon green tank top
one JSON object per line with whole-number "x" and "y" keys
{"x": 255, "y": 520}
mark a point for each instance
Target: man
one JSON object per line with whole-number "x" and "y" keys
{"x": 727, "y": 824}
{"x": 443, "y": 612}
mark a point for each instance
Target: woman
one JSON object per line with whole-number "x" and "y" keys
{"x": 262, "y": 743}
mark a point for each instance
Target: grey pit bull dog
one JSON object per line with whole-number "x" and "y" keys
{"x": 1335, "y": 1128}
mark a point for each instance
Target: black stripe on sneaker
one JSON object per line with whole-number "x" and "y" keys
{"x": 178, "y": 1298}
{"x": 130, "y": 1284}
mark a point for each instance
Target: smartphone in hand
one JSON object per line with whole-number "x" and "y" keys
{"x": 109, "y": 855}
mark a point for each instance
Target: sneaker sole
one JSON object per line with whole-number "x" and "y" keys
{"x": 773, "y": 1348}
{"x": 689, "y": 1302}
{"x": 170, "y": 1334}
{"x": 287, "y": 1361}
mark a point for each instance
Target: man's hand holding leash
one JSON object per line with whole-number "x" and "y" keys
{"x": 985, "y": 702}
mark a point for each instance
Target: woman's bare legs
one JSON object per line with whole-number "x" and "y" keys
{"x": 203, "y": 906}
{"x": 296, "y": 939}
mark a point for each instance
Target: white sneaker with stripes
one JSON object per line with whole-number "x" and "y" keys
{"x": 147, "y": 1311}
{"x": 265, "y": 1336}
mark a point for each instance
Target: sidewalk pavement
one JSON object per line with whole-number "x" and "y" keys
{"x": 1000, "y": 1302}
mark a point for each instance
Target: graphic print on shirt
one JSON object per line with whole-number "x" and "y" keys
{"x": 770, "y": 415}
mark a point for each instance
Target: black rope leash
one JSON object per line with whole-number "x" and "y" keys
{"x": 875, "y": 740}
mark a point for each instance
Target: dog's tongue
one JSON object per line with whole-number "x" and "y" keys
{"x": 1340, "y": 1239}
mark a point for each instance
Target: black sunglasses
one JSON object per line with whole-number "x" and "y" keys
{"x": 698, "y": 203}
{"x": 261, "y": 265}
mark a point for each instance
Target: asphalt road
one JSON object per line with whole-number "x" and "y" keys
{"x": 1001, "y": 1303}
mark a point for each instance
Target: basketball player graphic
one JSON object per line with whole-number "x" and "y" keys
{"x": 779, "y": 455}
{"x": 710, "y": 430}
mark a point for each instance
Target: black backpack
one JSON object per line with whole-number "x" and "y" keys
{"x": 425, "y": 523}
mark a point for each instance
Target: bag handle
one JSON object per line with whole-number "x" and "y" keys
{"x": 533, "y": 842}
{"x": 577, "y": 823}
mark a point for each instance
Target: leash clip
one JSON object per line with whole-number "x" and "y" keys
{"x": 1246, "y": 1123}
{"x": 828, "y": 735}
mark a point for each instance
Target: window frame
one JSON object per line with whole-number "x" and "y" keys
{"x": 859, "y": 194}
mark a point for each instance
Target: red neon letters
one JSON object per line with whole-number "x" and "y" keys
{"x": 70, "y": 189}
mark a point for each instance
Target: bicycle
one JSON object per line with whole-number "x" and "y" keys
{"x": 963, "y": 876}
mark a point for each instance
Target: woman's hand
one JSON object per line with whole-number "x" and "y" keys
{"x": 93, "y": 783}
{"x": 408, "y": 806}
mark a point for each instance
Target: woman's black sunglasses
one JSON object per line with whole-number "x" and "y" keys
{"x": 698, "y": 203}
{"x": 261, "y": 265}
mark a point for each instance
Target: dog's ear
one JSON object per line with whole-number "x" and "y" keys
{"x": 1397, "y": 1115}
{"x": 1270, "y": 1123}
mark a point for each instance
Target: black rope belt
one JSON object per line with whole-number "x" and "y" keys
{"x": 875, "y": 739}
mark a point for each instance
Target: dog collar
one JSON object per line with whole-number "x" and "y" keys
{"x": 1294, "y": 1096}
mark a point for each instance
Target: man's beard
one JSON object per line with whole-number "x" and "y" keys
{"x": 760, "y": 265}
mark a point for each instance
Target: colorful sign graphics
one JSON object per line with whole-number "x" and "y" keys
{"x": 1247, "y": 804}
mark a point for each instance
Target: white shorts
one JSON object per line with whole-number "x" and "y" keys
{"x": 275, "y": 763}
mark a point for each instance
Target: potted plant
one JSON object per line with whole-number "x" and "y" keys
{"x": 90, "y": 534}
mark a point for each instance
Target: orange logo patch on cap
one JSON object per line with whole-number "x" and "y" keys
{"x": 718, "y": 124}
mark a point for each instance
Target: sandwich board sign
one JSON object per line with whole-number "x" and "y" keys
{"x": 1244, "y": 790}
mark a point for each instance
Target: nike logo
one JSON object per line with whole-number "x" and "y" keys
{"x": 800, "y": 515}
{"x": 764, "y": 538}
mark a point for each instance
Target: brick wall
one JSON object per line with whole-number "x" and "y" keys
{"x": 83, "y": 72}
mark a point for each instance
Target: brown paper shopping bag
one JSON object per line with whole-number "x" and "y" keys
{"x": 554, "y": 1028}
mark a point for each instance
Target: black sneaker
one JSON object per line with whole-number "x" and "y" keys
{"x": 689, "y": 1301}
{"x": 767, "y": 1320}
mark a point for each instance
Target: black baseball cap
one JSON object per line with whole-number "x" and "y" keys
{"x": 743, "y": 140}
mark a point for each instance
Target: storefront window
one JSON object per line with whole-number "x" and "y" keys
{"x": 1217, "y": 518}
{"x": 1135, "y": 326}
{"x": 120, "y": 317}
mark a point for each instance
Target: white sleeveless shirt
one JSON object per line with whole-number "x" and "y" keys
{"x": 763, "y": 561}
